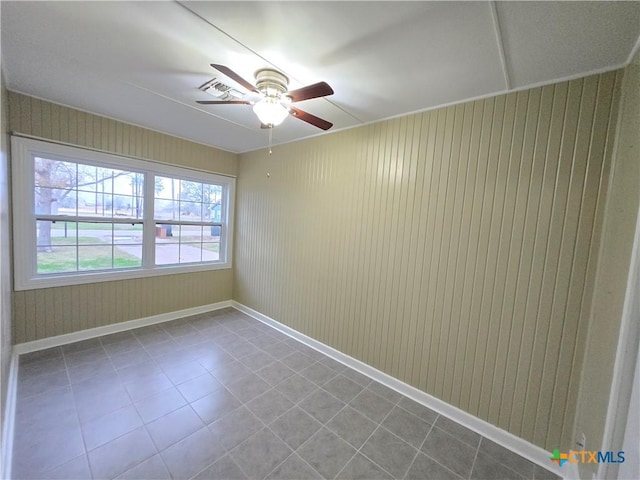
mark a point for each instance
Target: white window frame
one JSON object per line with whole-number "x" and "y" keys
{"x": 23, "y": 152}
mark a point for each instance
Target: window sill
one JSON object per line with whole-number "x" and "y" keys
{"x": 98, "y": 277}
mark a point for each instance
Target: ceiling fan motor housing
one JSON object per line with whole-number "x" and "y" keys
{"x": 275, "y": 99}
{"x": 271, "y": 83}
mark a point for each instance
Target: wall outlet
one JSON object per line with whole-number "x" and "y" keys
{"x": 581, "y": 442}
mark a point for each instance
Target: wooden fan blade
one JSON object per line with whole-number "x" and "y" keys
{"x": 234, "y": 76}
{"x": 320, "y": 89}
{"x": 312, "y": 119}
{"x": 223, "y": 102}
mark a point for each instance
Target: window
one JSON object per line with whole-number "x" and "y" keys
{"x": 188, "y": 218}
{"x": 84, "y": 216}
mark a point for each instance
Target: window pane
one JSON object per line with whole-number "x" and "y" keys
{"x": 95, "y": 257}
{"x": 94, "y": 246}
{"x": 57, "y": 260}
{"x": 192, "y": 197}
{"x": 62, "y": 233}
{"x": 71, "y": 246}
{"x": 54, "y": 181}
{"x": 190, "y": 244}
{"x": 212, "y": 233}
{"x": 210, "y": 251}
{"x": 127, "y": 256}
{"x": 189, "y": 201}
{"x": 190, "y": 234}
{"x": 55, "y": 201}
{"x": 130, "y": 187}
{"x": 191, "y": 211}
{"x": 166, "y": 210}
{"x": 94, "y": 233}
{"x": 167, "y": 188}
{"x": 180, "y": 244}
{"x": 127, "y": 206}
{"x": 216, "y": 212}
{"x": 127, "y": 241}
{"x": 190, "y": 191}
{"x": 48, "y": 234}
{"x": 65, "y": 188}
{"x": 211, "y": 193}
{"x": 98, "y": 204}
{"x": 54, "y": 173}
{"x": 167, "y": 244}
{"x": 167, "y": 198}
{"x": 56, "y": 247}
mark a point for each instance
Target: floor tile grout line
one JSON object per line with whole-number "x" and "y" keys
{"x": 75, "y": 409}
{"x": 164, "y": 464}
{"x": 206, "y": 425}
{"x": 145, "y": 424}
{"x": 475, "y": 458}
{"x": 264, "y": 426}
{"x": 419, "y": 449}
{"x": 76, "y": 416}
{"x": 293, "y": 452}
{"x": 141, "y": 462}
{"x": 520, "y": 474}
{"x": 228, "y": 451}
{"x": 322, "y": 425}
{"x": 449, "y": 434}
{"x": 158, "y": 450}
{"x": 359, "y": 450}
{"x": 226, "y": 454}
{"x": 305, "y": 461}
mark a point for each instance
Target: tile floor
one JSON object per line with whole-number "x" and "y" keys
{"x": 223, "y": 396}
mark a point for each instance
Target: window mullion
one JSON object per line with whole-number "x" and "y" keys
{"x": 223, "y": 233}
{"x": 149, "y": 228}
{"x": 84, "y": 219}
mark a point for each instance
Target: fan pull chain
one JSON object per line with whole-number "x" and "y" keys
{"x": 270, "y": 135}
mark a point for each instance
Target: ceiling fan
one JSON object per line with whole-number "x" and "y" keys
{"x": 271, "y": 98}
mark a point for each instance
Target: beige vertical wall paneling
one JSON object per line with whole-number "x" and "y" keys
{"x": 5, "y": 249}
{"x": 451, "y": 249}
{"x": 55, "y": 311}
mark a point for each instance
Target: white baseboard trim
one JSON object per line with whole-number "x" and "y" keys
{"x": 58, "y": 340}
{"x": 516, "y": 444}
{"x": 9, "y": 416}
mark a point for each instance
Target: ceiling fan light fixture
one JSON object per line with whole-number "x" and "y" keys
{"x": 270, "y": 111}
{"x": 271, "y": 98}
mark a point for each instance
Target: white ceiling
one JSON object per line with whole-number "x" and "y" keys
{"x": 142, "y": 62}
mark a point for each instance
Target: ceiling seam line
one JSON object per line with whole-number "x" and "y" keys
{"x": 633, "y": 52}
{"x": 500, "y": 42}
{"x": 221, "y": 31}
{"x": 153, "y": 92}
